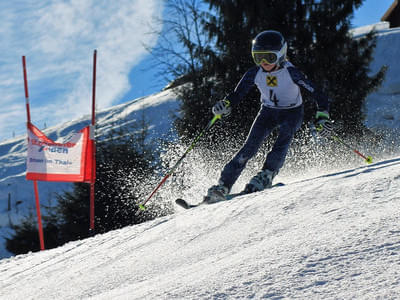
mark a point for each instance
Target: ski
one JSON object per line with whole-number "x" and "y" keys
{"x": 186, "y": 205}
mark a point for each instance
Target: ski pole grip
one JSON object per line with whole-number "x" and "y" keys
{"x": 215, "y": 119}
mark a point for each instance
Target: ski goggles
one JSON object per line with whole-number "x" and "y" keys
{"x": 269, "y": 57}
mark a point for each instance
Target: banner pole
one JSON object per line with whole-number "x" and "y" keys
{"x": 92, "y": 181}
{"x": 28, "y": 112}
{"x": 35, "y": 185}
{"x": 39, "y": 216}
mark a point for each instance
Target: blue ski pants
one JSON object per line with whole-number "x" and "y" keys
{"x": 288, "y": 121}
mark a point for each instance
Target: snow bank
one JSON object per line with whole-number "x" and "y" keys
{"x": 359, "y": 31}
{"x": 331, "y": 236}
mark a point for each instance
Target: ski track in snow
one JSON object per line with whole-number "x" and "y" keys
{"x": 332, "y": 236}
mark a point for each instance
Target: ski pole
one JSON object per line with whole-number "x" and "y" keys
{"x": 172, "y": 170}
{"x": 368, "y": 159}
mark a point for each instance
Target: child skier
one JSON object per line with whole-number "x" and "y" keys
{"x": 282, "y": 106}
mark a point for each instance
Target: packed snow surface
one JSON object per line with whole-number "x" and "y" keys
{"x": 323, "y": 236}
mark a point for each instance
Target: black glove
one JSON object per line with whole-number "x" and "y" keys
{"x": 222, "y": 107}
{"x": 323, "y": 124}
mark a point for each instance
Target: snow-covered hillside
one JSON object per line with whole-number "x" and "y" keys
{"x": 383, "y": 106}
{"x": 321, "y": 236}
{"x": 383, "y": 112}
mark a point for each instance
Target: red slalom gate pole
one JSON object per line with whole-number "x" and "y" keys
{"x": 93, "y": 179}
{"x": 35, "y": 185}
{"x": 28, "y": 112}
{"x": 39, "y": 215}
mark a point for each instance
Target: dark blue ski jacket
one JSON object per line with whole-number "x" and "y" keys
{"x": 279, "y": 89}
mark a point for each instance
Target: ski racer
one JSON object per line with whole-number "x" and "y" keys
{"x": 278, "y": 82}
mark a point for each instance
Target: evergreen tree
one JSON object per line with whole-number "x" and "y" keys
{"x": 123, "y": 161}
{"x": 319, "y": 44}
{"x": 25, "y": 237}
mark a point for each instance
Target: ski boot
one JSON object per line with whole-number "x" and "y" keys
{"x": 216, "y": 193}
{"x": 263, "y": 180}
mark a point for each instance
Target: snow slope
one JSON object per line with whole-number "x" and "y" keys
{"x": 382, "y": 108}
{"x": 329, "y": 236}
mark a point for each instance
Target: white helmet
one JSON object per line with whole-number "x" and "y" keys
{"x": 269, "y": 46}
